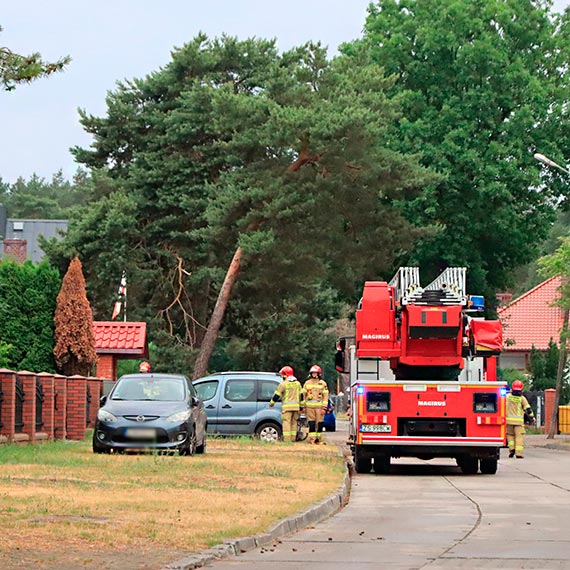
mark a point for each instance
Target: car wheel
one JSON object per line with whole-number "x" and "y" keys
{"x": 202, "y": 447}
{"x": 268, "y": 432}
{"x": 190, "y": 447}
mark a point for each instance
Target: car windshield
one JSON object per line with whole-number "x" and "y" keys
{"x": 155, "y": 388}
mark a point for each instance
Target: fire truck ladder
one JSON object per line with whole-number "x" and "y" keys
{"x": 406, "y": 283}
{"x": 448, "y": 288}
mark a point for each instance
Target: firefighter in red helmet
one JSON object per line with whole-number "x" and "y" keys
{"x": 144, "y": 366}
{"x": 290, "y": 393}
{"x": 316, "y": 400}
{"x": 286, "y": 371}
{"x": 517, "y": 408}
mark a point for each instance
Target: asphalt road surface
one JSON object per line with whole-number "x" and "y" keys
{"x": 426, "y": 515}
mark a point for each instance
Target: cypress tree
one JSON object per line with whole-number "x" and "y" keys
{"x": 74, "y": 340}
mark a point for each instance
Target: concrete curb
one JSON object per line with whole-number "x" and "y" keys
{"x": 290, "y": 525}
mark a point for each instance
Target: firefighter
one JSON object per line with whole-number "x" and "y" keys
{"x": 517, "y": 407}
{"x": 290, "y": 393}
{"x": 316, "y": 400}
{"x": 144, "y": 367}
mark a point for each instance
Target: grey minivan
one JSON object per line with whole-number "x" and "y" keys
{"x": 237, "y": 403}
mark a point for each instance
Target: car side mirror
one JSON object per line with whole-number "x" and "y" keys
{"x": 195, "y": 401}
{"x": 102, "y": 400}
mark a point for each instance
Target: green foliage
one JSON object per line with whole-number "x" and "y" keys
{"x": 291, "y": 156}
{"x": 558, "y": 263}
{"x": 543, "y": 367}
{"x": 37, "y": 198}
{"x": 27, "y": 303}
{"x": 16, "y": 69}
{"x": 481, "y": 85}
{"x": 509, "y": 375}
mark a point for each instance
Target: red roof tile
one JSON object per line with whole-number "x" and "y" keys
{"x": 532, "y": 319}
{"x": 114, "y": 337}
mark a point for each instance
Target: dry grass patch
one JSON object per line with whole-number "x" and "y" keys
{"x": 61, "y": 493}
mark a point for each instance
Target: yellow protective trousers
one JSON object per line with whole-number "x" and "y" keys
{"x": 290, "y": 419}
{"x": 515, "y": 439}
{"x": 315, "y": 417}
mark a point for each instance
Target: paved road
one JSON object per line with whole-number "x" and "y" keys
{"x": 426, "y": 515}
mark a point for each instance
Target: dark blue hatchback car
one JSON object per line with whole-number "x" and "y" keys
{"x": 151, "y": 411}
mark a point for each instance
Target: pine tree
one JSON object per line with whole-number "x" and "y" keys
{"x": 74, "y": 340}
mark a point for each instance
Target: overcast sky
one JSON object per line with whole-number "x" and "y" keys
{"x": 114, "y": 40}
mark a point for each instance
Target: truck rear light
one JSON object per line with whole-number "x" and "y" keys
{"x": 378, "y": 401}
{"x": 490, "y": 420}
{"x": 485, "y": 402}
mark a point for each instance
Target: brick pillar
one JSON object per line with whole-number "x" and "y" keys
{"x": 60, "y": 407}
{"x": 96, "y": 387}
{"x": 48, "y": 386}
{"x": 107, "y": 366}
{"x": 28, "y": 380}
{"x": 549, "y": 395}
{"x": 76, "y": 407}
{"x": 8, "y": 387}
{"x": 16, "y": 250}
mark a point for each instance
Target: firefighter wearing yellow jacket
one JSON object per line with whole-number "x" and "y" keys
{"x": 316, "y": 400}
{"x": 290, "y": 393}
{"x": 517, "y": 407}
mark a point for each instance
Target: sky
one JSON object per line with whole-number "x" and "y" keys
{"x": 111, "y": 41}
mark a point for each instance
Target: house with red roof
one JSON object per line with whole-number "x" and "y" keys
{"x": 530, "y": 320}
{"x": 115, "y": 340}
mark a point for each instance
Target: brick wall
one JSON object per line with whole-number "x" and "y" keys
{"x": 28, "y": 380}
{"x": 8, "y": 387}
{"x": 60, "y": 407}
{"x": 48, "y": 385}
{"x": 76, "y": 407}
{"x": 107, "y": 366}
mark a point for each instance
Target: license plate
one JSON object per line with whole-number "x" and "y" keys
{"x": 140, "y": 433}
{"x": 375, "y": 428}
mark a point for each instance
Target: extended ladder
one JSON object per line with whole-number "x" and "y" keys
{"x": 447, "y": 289}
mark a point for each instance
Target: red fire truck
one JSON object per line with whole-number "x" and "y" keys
{"x": 423, "y": 379}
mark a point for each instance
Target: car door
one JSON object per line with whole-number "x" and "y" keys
{"x": 198, "y": 412}
{"x": 266, "y": 389}
{"x": 237, "y": 405}
{"x": 209, "y": 392}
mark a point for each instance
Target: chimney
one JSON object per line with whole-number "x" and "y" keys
{"x": 3, "y": 221}
{"x": 504, "y": 299}
{"x": 16, "y": 250}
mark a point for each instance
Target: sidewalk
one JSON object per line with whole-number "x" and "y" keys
{"x": 540, "y": 440}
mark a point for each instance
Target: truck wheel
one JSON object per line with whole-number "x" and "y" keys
{"x": 382, "y": 464}
{"x": 362, "y": 464}
{"x": 489, "y": 466}
{"x": 468, "y": 465}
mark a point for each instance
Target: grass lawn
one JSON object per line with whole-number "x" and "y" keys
{"x": 59, "y": 501}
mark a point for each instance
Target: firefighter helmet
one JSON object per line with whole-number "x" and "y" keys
{"x": 144, "y": 367}
{"x": 286, "y": 371}
{"x": 517, "y": 385}
{"x": 316, "y": 368}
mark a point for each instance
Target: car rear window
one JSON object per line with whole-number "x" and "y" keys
{"x": 266, "y": 390}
